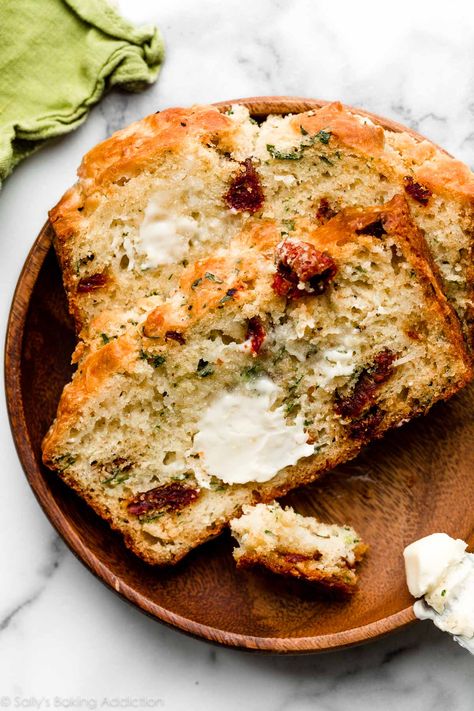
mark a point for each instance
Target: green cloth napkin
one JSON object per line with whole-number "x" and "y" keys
{"x": 56, "y": 59}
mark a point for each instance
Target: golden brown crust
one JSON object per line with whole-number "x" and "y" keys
{"x": 117, "y": 159}
{"x": 304, "y": 568}
{"x": 203, "y": 300}
{"x": 128, "y": 151}
{"x": 447, "y": 176}
{"x": 432, "y": 168}
{"x": 345, "y": 126}
{"x": 117, "y": 356}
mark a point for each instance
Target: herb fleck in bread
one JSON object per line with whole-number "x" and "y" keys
{"x": 328, "y": 334}
{"x": 288, "y": 543}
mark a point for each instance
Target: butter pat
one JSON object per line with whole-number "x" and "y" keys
{"x": 242, "y": 438}
{"x": 438, "y": 568}
{"x": 164, "y": 233}
{"x": 427, "y": 559}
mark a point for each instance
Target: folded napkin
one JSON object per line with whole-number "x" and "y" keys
{"x": 56, "y": 59}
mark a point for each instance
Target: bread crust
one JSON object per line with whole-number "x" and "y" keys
{"x": 117, "y": 356}
{"x": 118, "y": 158}
{"x": 345, "y": 581}
{"x": 345, "y": 126}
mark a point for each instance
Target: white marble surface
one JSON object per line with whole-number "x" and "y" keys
{"x": 66, "y": 641}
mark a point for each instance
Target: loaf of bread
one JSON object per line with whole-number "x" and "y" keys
{"x": 272, "y": 348}
{"x": 299, "y": 546}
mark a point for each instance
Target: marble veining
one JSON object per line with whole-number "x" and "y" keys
{"x": 65, "y": 640}
{"x": 57, "y": 551}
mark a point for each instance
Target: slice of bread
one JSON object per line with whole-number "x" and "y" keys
{"x": 156, "y": 196}
{"x": 288, "y": 543}
{"x": 170, "y": 169}
{"x": 274, "y": 357}
{"x": 321, "y": 161}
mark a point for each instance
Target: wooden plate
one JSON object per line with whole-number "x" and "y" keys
{"x": 419, "y": 479}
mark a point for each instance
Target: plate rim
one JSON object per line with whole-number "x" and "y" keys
{"x": 259, "y": 105}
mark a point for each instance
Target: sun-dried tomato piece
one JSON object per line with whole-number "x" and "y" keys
{"x": 366, "y": 387}
{"x": 325, "y": 212}
{"x": 91, "y": 283}
{"x": 245, "y": 192}
{"x": 283, "y": 286}
{"x": 175, "y": 336}
{"x": 418, "y": 192}
{"x": 256, "y": 334}
{"x": 168, "y": 497}
{"x": 366, "y": 426}
{"x": 301, "y": 263}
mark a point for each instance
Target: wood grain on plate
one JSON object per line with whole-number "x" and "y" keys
{"x": 417, "y": 480}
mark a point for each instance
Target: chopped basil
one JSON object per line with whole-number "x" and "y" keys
{"x": 151, "y": 518}
{"x": 229, "y": 295}
{"x": 323, "y": 137}
{"x": 292, "y": 399}
{"x": 295, "y": 384}
{"x": 252, "y": 372}
{"x": 217, "y": 485}
{"x": 65, "y": 461}
{"x": 326, "y": 160}
{"x": 117, "y": 478}
{"x": 212, "y": 277}
{"x": 179, "y": 477}
{"x": 204, "y": 368}
{"x": 105, "y": 338}
{"x": 295, "y": 154}
{"x": 82, "y": 261}
{"x": 154, "y": 360}
{"x": 291, "y": 405}
{"x": 196, "y": 283}
{"x": 443, "y": 593}
{"x": 268, "y": 532}
{"x": 279, "y": 355}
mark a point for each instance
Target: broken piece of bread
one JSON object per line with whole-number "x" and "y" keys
{"x": 299, "y": 546}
